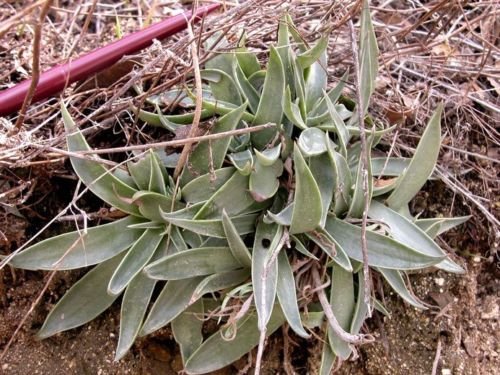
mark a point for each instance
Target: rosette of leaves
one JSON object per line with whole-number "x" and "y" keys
{"x": 250, "y": 214}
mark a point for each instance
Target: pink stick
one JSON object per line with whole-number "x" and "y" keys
{"x": 57, "y": 78}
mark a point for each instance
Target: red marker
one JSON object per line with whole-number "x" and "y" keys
{"x": 55, "y": 79}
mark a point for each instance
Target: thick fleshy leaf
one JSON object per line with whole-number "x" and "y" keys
{"x": 83, "y": 302}
{"x": 323, "y": 171}
{"x": 213, "y": 227}
{"x": 247, "y": 61}
{"x": 392, "y": 167}
{"x": 312, "y": 142}
{"x": 316, "y": 79}
{"x": 301, "y": 248}
{"x": 323, "y": 121}
{"x": 141, "y": 171}
{"x": 284, "y": 49}
{"x": 217, "y": 351}
{"x": 134, "y": 305}
{"x": 264, "y": 275}
{"x": 333, "y": 94}
{"x": 342, "y": 301}
{"x": 187, "y": 329}
{"x": 421, "y": 165}
{"x": 247, "y": 90}
{"x": 93, "y": 174}
{"x": 342, "y": 181}
{"x": 172, "y": 301}
{"x": 157, "y": 120}
{"x": 306, "y": 59}
{"x": 157, "y": 177}
{"x": 76, "y": 249}
{"x": 368, "y": 56}
{"x": 152, "y": 204}
{"x": 339, "y": 125}
{"x": 287, "y": 297}
{"x": 136, "y": 258}
{"x": 292, "y": 110}
{"x": 202, "y": 188}
{"x": 307, "y": 209}
{"x": 207, "y": 155}
{"x": 221, "y": 281}
{"x": 263, "y": 182}
{"x": 396, "y": 281}
{"x": 408, "y": 233}
{"x": 282, "y": 218}
{"x": 269, "y": 156}
{"x": 382, "y": 251}
{"x": 236, "y": 244}
{"x": 243, "y": 161}
{"x": 222, "y": 85}
{"x": 193, "y": 262}
{"x": 437, "y": 226}
{"x": 270, "y": 110}
{"x": 357, "y": 206}
{"x": 361, "y": 309}
{"x": 257, "y": 80}
{"x": 331, "y": 247}
{"x": 233, "y": 196}
{"x": 327, "y": 360}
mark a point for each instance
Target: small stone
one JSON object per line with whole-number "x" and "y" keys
{"x": 476, "y": 259}
{"x": 5, "y": 366}
{"x": 439, "y": 281}
{"x": 446, "y": 371}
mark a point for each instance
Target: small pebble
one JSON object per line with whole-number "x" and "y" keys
{"x": 446, "y": 371}
{"x": 439, "y": 281}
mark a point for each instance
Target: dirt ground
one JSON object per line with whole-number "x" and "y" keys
{"x": 459, "y": 335}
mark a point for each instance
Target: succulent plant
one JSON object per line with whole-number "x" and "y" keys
{"x": 255, "y": 217}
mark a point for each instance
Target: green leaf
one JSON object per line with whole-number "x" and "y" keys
{"x": 222, "y": 85}
{"x": 331, "y": 247}
{"x": 141, "y": 171}
{"x": 236, "y": 244}
{"x": 357, "y": 206}
{"x": 187, "y": 329}
{"x": 339, "y": 126}
{"x": 83, "y": 302}
{"x": 334, "y": 94}
{"x": 342, "y": 301}
{"x": 282, "y": 218}
{"x": 327, "y": 360}
{"x": 172, "y": 301}
{"x": 193, "y": 262}
{"x": 270, "y": 109}
{"x": 246, "y": 60}
{"x": 211, "y": 154}
{"x": 292, "y": 110}
{"x": 421, "y": 165}
{"x": 437, "y": 226}
{"x": 307, "y": 210}
{"x": 257, "y": 79}
{"x": 233, "y": 196}
{"x": 408, "y": 233}
{"x": 395, "y": 280}
{"x": 263, "y": 182}
{"x": 134, "y": 305}
{"x": 213, "y": 227}
{"x": 342, "y": 181}
{"x": 312, "y": 142}
{"x": 202, "y": 188}
{"x": 93, "y": 174}
{"x": 222, "y": 60}
{"x": 221, "y": 281}
{"x": 136, "y": 258}
{"x": 160, "y": 120}
{"x": 382, "y": 251}
{"x": 157, "y": 176}
{"x": 243, "y": 161}
{"x": 269, "y": 156}
{"x": 246, "y": 89}
{"x": 76, "y": 249}
{"x": 368, "y": 56}
{"x": 323, "y": 171}
{"x": 316, "y": 79}
{"x": 361, "y": 309}
{"x": 287, "y": 297}
{"x": 301, "y": 248}
{"x": 217, "y": 351}
{"x": 264, "y": 275}
{"x": 306, "y": 59}
{"x": 392, "y": 167}
{"x": 151, "y": 204}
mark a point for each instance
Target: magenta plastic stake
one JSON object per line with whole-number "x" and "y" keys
{"x": 55, "y": 79}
